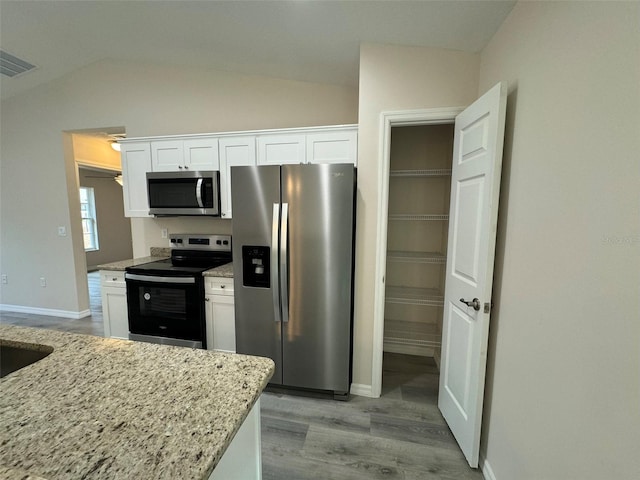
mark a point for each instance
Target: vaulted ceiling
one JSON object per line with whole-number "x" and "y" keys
{"x": 309, "y": 40}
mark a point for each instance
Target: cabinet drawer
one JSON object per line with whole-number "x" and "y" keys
{"x": 112, "y": 278}
{"x": 218, "y": 286}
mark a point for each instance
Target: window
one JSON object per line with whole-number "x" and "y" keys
{"x": 89, "y": 223}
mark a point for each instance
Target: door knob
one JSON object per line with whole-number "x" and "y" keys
{"x": 475, "y": 303}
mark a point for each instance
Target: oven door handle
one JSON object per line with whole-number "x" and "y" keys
{"x": 157, "y": 279}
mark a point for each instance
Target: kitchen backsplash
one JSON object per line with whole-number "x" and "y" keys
{"x": 160, "y": 252}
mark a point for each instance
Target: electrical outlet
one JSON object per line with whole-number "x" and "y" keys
{"x": 62, "y": 231}
{"x": 165, "y": 233}
{"x": 5, "y": 279}
{"x": 43, "y": 282}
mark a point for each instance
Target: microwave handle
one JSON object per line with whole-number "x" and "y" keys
{"x": 199, "y": 192}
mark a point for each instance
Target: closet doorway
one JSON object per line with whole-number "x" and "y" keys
{"x": 476, "y": 155}
{"x": 417, "y": 227}
{"x": 415, "y": 187}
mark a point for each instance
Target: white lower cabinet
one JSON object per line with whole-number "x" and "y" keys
{"x": 114, "y": 304}
{"x": 220, "y": 314}
{"x": 243, "y": 458}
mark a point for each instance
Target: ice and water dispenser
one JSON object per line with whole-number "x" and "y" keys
{"x": 256, "y": 266}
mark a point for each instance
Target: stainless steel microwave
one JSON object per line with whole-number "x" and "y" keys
{"x": 184, "y": 193}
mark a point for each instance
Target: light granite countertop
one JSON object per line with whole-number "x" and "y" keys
{"x": 225, "y": 271}
{"x": 103, "y": 408}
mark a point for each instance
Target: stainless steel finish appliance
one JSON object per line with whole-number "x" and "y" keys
{"x": 293, "y": 231}
{"x": 165, "y": 299}
{"x": 184, "y": 193}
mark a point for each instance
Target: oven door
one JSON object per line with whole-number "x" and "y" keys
{"x": 167, "y": 310}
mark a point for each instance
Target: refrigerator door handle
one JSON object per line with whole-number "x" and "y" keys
{"x": 284, "y": 263}
{"x": 275, "y": 227}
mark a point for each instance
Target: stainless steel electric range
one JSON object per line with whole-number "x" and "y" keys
{"x": 165, "y": 299}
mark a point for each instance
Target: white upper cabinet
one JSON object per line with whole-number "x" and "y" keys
{"x": 340, "y": 146}
{"x": 167, "y": 155}
{"x": 281, "y": 149}
{"x": 234, "y": 152}
{"x": 189, "y": 154}
{"x": 136, "y": 162}
{"x": 206, "y": 152}
{"x": 201, "y": 154}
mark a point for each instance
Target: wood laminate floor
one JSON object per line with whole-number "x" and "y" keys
{"x": 400, "y": 435}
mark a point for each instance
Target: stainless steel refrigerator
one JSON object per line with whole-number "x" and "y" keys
{"x": 293, "y": 237}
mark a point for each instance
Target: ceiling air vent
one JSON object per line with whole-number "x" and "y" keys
{"x": 12, "y": 66}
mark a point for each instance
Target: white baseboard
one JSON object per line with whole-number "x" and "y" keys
{"x": 361, "y": 390}
{"x": 487, "y": 471}
{"x": 45, "y": 311}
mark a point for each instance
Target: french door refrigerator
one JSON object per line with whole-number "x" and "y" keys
{"x": 293, "y": 237}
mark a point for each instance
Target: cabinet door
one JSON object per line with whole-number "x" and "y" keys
{"x": 234, "y": 152}
{"x": 167, "y": 155}
{"x": 332, "y": 147}
{"x": 201, "y": 154}
{"x": 222, "y": 335}
{"x": 136, "y": 162}
{"x": 114, "y": 312}
{"x": 208, "y": 320}
{"x": 281, "y": 149}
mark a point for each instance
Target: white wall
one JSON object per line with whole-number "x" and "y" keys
{"x": 562, "y": 393}
{"x": 394, "y": 78}
{"x": 114, "y": 229}
{"x": 37, "y": 190}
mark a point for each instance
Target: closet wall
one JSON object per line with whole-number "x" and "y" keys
{"x": 419, "y": 189}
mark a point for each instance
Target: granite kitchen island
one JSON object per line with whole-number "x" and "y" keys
{"x": 107, "y": 408}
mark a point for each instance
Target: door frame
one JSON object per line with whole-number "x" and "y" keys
{"x": 389, "y": 119}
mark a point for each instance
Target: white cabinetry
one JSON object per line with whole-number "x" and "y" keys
{"x": 234, "y": 152}
{"x": 114, "y": 304}
{"x": 205, "y": 152}
{"x": 309, "y": 146}
{"x": 243, "y": 457}
{"x": 337, "y": 146}
{"x": 201, "y": 154}
{"x": 281, "y": 149}
{"x": 220, "y": 314}
{"x": 189, "y": 154}
{"x": 136, "y": 162}
{"x": 167, "y": 155}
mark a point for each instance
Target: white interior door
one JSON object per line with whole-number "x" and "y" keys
{"x": 475, "y": 188}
